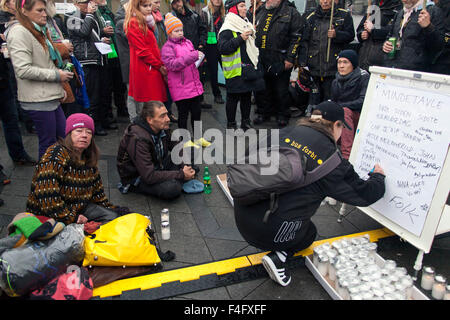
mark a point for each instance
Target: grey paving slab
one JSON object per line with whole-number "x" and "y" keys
{"x": 224, "y": 249}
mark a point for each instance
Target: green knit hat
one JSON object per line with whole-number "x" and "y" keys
{"x": 26, "y": 226}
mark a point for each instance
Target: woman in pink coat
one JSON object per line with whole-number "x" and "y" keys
{"x": 146, "y": 67}
{"x": 179, "y": 57}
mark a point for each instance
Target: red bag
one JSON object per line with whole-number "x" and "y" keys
{"x": 75, "y": 284}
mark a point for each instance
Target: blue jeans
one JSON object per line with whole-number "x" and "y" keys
{"x": 50, "y": 125}
{"x": 10, "y": 120}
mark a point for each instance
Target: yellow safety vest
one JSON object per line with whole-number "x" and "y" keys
{"x": 231, "y": 63}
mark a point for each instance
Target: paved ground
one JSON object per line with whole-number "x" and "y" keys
{"x": 203, "y": 228}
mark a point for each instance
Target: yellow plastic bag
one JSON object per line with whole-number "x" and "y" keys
{"x": 123, "y": 241}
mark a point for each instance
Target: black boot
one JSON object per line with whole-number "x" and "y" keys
{"x": 246, "y": 124}
{"x": 231, "y": 125}
{"x": 218, "y": 99}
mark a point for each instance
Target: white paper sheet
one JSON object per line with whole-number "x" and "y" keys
{"x": 104, "y": 48}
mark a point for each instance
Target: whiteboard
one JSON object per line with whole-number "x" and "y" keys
{"x": 404, "y": 126}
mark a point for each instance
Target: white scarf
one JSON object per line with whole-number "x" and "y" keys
{"x": 406, "y": 14}
{"x": 235, "y": 23}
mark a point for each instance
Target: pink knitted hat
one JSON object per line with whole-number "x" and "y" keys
{"x": 79, "y": 120}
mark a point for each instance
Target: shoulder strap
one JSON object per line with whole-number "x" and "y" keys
{"x": 325, "y": 168}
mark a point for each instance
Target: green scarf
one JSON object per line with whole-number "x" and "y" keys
{"x": 54, "y": 54}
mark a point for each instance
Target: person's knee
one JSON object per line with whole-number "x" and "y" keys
{"x": 170, "y": 189}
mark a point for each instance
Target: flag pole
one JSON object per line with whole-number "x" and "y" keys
{"x": 254, "y": 13}
{"x": 331, "y": 24}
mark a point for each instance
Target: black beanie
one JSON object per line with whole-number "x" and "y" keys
{"x": 350, "y": 55}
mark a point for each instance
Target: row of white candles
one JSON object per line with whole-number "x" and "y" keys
{"x": 437, "y": 283}
{"x": 350, "y": 264}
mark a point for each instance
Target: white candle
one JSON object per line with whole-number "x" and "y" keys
{"x": 165, "y": 230}
{"x": 438, "y": 289}
{"x": 323, "y": 264}
{"x": 427, "y": 278}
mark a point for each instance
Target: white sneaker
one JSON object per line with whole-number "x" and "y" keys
{"x": 274, "y": 263}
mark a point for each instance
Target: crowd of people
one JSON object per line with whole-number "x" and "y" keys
{"x": 63, "y": 73}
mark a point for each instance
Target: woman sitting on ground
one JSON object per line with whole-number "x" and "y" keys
{"x": 67, "y": 178}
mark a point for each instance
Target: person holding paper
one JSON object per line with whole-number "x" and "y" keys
{"x": 89, "y": 43}
{"x": 186, "y": 89}
{"x": 113, "y": 85}
{"x": 240, "y": 65}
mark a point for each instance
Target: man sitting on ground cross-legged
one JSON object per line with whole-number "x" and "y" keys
{"x": 144, "y": 162}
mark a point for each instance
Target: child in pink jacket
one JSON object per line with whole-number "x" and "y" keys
{"x": 179, "y": 57}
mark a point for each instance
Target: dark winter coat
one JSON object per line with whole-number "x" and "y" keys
{"x": 298, "y": 206}
{"x": 442, "y": 61}
{"x": 84, "y": 30}
{"x": 194, "y": 28}
{"x": 278, "y": 34}
{"x": 137, "y": 155}
{"x": 123, "y": 49}
{"x": 419, "y": 46}
{"x": 228, "y": 44}
{"x": 350, "y": 90}
{"x": 370, "y": 51}
{"x": 315, "y": 41}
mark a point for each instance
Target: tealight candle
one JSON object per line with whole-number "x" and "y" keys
{"x": 367, "y": 295}
{"x": 371, "y": 248}
{"x": 447, "y": 292}
{"x": 390, "y": 265}
{"x": 427, "y": 278}
{"x": 332, "y": 269}
{"x": 408, "y": 283}
{"x": 389, "y": 289}
{"x": 438, "y": 290}
{"x": 323, "y": 264}
{"x": 400, "y": 272}
{"x": 316, "y": 251}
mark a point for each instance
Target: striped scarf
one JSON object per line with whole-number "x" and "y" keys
{"x": 54, "y": 54}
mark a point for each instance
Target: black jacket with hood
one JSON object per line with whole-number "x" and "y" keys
{"x": 278, "y": 34}
{"x": 194, "y": 28}
{"x": 350, "y": 90}
{"x": 441, "y": 64}
{"x": 370, "y": 50}
{"x": 314, "y": 44}
{"x": 419, "y": 46}
{"x": 84, "y": 30}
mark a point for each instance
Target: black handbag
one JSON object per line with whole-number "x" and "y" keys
{"x": 249, "y": 73}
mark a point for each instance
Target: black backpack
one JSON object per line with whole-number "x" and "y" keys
{"x": 247, "y": 186}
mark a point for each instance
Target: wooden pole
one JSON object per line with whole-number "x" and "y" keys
{"x": 331, "y": 24}
{"x": 369, "y": 4}
{"x": 254, "y": 13}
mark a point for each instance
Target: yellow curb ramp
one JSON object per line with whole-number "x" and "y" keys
{"x": 156, "y": 280}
